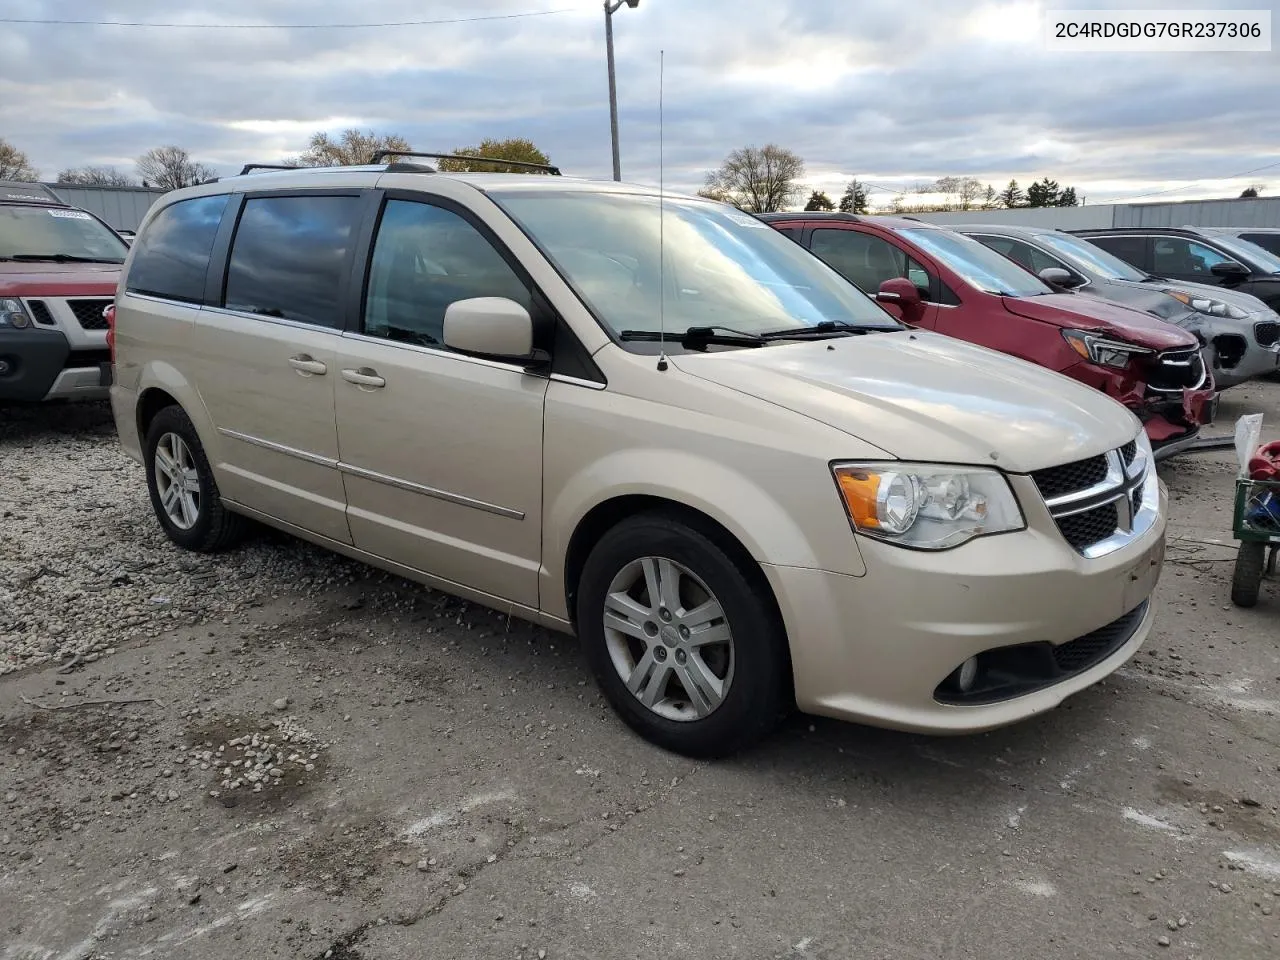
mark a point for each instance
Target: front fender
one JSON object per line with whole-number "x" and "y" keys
{"x": 802, "y": 536}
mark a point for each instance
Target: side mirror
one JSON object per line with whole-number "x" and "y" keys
{"x": 899, "y": 290}
{"x": 1058, "y": 277}
{"x": 492, "y": 327}
{"x": 1229, "y": 270}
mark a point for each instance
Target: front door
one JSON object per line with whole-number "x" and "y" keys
{"x": 868, "y": 261}
{"x": 442, "y": 453}
{"x": 267, "y": 359}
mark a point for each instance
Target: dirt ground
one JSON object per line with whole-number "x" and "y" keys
{"x": 293, "y": 756}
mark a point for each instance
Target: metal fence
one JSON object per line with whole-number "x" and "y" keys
{"x": 1249, "y": 212}
{"x": 122, "y": 207}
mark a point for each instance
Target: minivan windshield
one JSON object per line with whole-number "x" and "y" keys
{"x": 1264, "y": 260}
{"x": 1090, "y": 258}
{"x": 976, "y": 263}
{"x": 721, "y": 267}
{"x": 56, "y": 233}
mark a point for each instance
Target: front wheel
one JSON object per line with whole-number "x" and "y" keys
{"x": 682, "y": 638}
{"x": 1247, "y": 579}
{"x": 184, "y": 494}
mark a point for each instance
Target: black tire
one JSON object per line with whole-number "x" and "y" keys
{"x": 759, "y": 694}
{"x": 215, "y": 528}
{"x": 1250, "y": 560}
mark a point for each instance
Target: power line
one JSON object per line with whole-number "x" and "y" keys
{"x": 1160, "y": 193}
{"x": 283, "y": 26}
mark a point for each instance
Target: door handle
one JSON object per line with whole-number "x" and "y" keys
{"x": 307, "y": 365}
{"x": 364, "y": 377}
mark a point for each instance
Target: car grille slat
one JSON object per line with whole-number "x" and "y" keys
{"x": 1267, "y": 333}
{"x": 1055, "y": 481}
{"x": 1095, "y": 500}
{"x": 89, "y": 313}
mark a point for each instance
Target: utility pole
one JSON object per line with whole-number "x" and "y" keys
{"x": 609, "y": 9}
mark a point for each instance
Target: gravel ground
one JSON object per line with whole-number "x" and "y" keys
{"x": 280, "y": 748}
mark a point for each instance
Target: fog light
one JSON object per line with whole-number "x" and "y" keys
{"x": 5, "y": 368}
{"x": 967, "y": 673}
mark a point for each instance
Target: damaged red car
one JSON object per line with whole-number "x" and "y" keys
{"x": 932, "y": 277}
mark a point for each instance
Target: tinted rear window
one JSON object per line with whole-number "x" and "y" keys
{"x": 289, "y": 258}
{"x": 1132, "y": 250}
{"x": 172, "y": 256}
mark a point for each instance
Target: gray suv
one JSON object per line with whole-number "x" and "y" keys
{"x": 1241, "y": 334}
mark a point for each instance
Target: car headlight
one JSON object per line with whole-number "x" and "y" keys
{"x": 13, "y": 315}
{"x": 926, "y": 506}
{"x": 1102, "y": 350}
{"x": 1202, "y": 304}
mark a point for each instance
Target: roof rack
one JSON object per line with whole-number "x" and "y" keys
{"x": 248, "y": 167}
{"x": 807, "y": 215}
{"x": 547, "y": 168}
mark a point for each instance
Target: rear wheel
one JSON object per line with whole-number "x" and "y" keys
{"x": 1245, "y": 584}
{"x": 682, "y": 638}
{"x": 184, "y": 494}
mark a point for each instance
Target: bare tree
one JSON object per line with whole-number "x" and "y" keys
{"x": 351, "y": 149}
{"x": 14, "y": 164}
{"x": 513, "y": 148}
{"x": 1250, "y": 192}
{"x": 171, "y": 168}
{"x": 758, "y": 179}
{"x": 95, "y": 176}
{"x": 965, "y": 190}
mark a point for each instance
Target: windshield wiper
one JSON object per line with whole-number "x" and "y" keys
{"x": 62, "y": 258}
{"x": 829, "y": 328}
{"x": 695, "y": 337}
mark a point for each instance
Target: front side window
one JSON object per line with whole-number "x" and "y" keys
{"x": 425, "y": 258}
{"x": 57, "y": 233}
{"x": 708, "y": 265}
{"x": 289, "y": 258}
{"x": 1022, "y": 253}
{"x": 1088, "y": 256}
{"x": 978, "y": 265}
{"x": 171, "y": 257}
{"x": 1178, "y": 256}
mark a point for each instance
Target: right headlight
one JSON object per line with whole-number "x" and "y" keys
{"x": 1103, "y": 351}
{"x": 926, "y": 506}
{"x": 1202, "y": 304}
{"x": 13, "y": 315}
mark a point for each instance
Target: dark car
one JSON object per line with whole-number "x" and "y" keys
{"x": 1200, "y": 254}
{"x": 941, "y": 280}
{"x": 1240, "y": 333}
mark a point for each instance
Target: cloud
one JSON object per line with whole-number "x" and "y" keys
{"x": 895, "y": 94}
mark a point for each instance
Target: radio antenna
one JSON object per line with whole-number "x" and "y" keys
{"x": 662, "y": 250}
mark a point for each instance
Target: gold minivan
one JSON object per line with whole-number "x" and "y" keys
{"x": 649, "y": 420}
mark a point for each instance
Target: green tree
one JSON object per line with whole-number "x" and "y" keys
{"x": 95, "y": 176}
{"x": 171, "y": 168}
{"x": 854, "y": 198}
{"x": 1012, "y": 196}
{"x": 352, "y": 148}
{"x": 14, "y": 164}
{"x": 989, "y": 198}
{"x": 758, "y": 179}
{"x": 819, "y": 201}
{"x": 1068, "y": 198}
{"x": 1043, "y": 193}
{"x": 513, "y": 148}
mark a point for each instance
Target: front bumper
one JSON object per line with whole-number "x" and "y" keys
{"x": 30, "y": 362}
{"x": 876, "y": 648}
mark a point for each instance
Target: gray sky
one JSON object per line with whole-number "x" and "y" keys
{"x": 894, "y": 92}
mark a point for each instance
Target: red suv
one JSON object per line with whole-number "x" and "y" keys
{"x": 941, "y": 280}
{"x": 58, "y": 272}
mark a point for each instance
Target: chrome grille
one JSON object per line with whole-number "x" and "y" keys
{"x": 1098, "y": 503}
{"x": 89, "y": 313}
{"x": 1176, "y": 370}
{"x": 1267, "y": 333}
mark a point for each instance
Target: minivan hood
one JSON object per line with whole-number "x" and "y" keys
{"x": 1087, "y": 313}
{"x": 923, "y": 396}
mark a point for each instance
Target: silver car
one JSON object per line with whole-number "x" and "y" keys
{"x": 1240, "y": 333}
